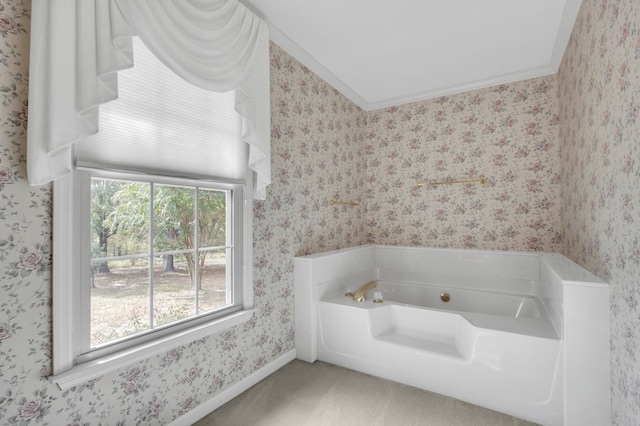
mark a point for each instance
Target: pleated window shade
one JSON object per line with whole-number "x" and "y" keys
{"x": 163, "y": 125}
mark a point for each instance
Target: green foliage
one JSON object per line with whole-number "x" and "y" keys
{"x": 103, "y": 203}
{"x": 131, "y": 213}
{"x": 120, "y": 219}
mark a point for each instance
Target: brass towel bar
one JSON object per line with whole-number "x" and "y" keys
{"x": 448, "y": 182}
{"x": 346, "y": 203}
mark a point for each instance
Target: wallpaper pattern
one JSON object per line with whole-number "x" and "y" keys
{"x": 599, "y": 83}
{"x": 507, "y": 134}
{"x": 325, "y": 148}
{"x": 316, "y": 156}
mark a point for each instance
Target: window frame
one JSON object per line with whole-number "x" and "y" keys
{"x": 71, "y": 230}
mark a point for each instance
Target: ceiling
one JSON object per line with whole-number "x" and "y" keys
{"x": 385, "y": 53}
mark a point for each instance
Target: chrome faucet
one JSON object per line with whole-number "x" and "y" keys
{"x": 359, "y": 294}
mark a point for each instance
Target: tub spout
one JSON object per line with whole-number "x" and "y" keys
{"x": 359, "y": 294}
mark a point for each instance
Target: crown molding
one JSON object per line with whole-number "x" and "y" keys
{"x": 465, "y": 87}
{"x": 570, "y": 13}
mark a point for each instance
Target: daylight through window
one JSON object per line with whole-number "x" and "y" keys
{"x": 160, "y": 254}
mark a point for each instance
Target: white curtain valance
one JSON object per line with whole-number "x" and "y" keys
{"x": 78, "y": 47}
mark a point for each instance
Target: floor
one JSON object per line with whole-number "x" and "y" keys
{"x": 321, "y": 394}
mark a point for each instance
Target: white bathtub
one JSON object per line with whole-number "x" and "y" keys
{"x": 522, "y": 333}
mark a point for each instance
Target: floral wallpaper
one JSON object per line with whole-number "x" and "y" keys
{"x": 316, "y": 157}
{"x": 599, "y": 85}
{"x": 560, "y": 155}
{"x": 507, "y": 134}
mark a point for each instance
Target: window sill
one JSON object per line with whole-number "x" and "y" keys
{"x": 99, "y": 367}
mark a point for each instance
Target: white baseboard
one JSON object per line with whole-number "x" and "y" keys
{"x": 228, "y": 394}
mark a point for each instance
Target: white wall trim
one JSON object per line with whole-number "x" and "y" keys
{"x": 466, "y": 87}
{"x": 64, "y": 299}
{"x": 234, "y": 390}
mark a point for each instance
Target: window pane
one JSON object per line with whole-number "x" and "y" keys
{"x": 186, "y": 281}
{"x": 215, "y": 290}
{"x": 174, "y": 216}
{"x": 212, "y": 217}
{"x": 119, "y": 218}
{"x": 119, "y": 300}
{"x": 173, "y": 291}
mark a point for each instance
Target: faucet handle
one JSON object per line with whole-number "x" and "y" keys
{"x": 359, "y": 295}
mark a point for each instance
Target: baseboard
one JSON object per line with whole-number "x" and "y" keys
{"x": 234, "y": 390}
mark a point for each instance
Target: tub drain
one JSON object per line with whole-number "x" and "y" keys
{"x": 445, "y": 297}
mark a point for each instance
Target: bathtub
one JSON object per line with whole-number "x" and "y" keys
{"x": 526, "y": 334}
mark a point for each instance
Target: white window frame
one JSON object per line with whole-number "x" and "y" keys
{"x": 71, "y": 230}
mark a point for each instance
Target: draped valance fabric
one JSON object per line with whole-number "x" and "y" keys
{"x": 78, "y": 47}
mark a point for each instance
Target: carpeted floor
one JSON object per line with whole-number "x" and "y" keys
{"x": 321, "y": 394}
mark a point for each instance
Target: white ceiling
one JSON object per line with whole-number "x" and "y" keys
{"x": 384, "y": 53}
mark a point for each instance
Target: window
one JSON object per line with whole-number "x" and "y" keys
{"x": 162, "y": 250}
{"x": 149, "y": 253}
{"x": 161, "y": 256}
